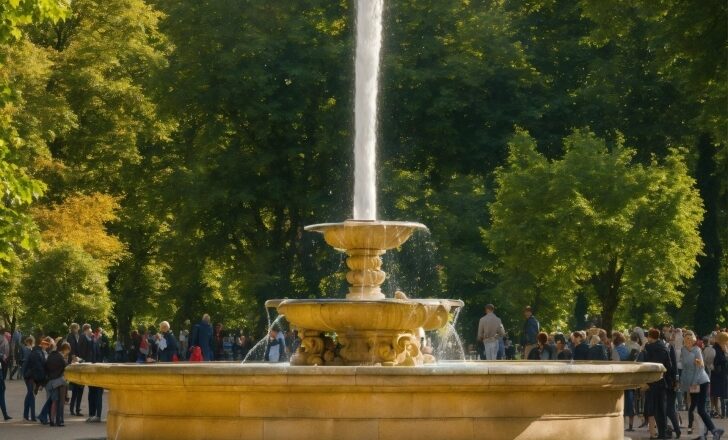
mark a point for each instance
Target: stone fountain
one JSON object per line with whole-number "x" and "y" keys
{"x": 370, "y": 329}
{"x": 379, "y": 385}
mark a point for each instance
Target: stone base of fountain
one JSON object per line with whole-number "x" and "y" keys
{"x": 465, "y": 400}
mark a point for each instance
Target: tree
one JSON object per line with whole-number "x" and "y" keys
{"x": 593, "y": 219}
{"x": 19, "y": 188}
{"x": 80, "y": 220}
{"x": 64, "y": 285}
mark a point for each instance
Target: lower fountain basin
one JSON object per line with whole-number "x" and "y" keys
{"x": 340, "y": 315}
{"x": 465, "y": 400}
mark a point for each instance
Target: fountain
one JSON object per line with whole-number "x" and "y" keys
{"x": 379, "y": 384}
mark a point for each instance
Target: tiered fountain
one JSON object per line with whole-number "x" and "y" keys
{"x": 363, "y": 390}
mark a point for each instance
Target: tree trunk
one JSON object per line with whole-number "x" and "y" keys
{"x": 707, "y": 277}
{"x": 607, "y": 286}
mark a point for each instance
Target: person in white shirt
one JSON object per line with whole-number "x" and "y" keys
{"x": 490, "y": 329}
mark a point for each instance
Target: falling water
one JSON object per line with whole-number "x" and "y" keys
{"x": 257, "y": 351}
{"x": 450, "y": 347}
{"x": 368, "y": 44}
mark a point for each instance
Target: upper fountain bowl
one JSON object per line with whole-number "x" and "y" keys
{"x": 366, "y": 234}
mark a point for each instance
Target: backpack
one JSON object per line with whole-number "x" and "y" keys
{"x": 196, "y": 354}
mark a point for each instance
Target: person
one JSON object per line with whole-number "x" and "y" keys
{"x": 672, "y": 380}
{"x": 89, "y": 350}
{"x": 218, "y": 342}
{"x": 119, "y": 352}
{"x": 543, "y": 350}
{"x": 490, "y": 329}
{"x": 169, "y": 352}
{"x": 73, "y": 339}
{"x": 563, "y": 353}
{"x": 656, "y": 352}
{"x": 47, "y": 345}
{"x": 531, "y": 327}
{"x": 695, "y": 380}
{"x": 3, "y": 406}
{"x": 4, "y": 352}
{"x": 581, "y": 348}
{"x": 275, "y": 347}
{"x": 26, "y": 373}
{"x": 184, "y": 336}
{"x": 709, "y": 358}
{"x": 625, "y": 355}
{"x": 597, "y": 350}
{"x": 202, "y": 337}
{"x": 55, "y": 366}
{"x": 16, "y": 348}
{"x": 136, "y": 341}
{"x": 719, "y": 375}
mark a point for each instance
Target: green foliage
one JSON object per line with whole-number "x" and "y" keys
{"x": 593, "y": 218}
{"x": 65, "y": 285}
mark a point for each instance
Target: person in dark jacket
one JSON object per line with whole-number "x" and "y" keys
{"x": 88, "y": 348}
{"x": 170, "y": 344}
{"x": 581, "y": 348}
{"x": 719, "y": 374}
{"x": 73, "y": 338}
{"x": 597, "y": 350}
{"x": 202, "y": 337}
{"x": 531, "y": 328}
{"x": 543, "y": 351}
{"x": 671, "y": 380}
{"x": 55, "y": 366}
{"x": 562, "y": 350}
{"x": 655, "y": 351}
{"x": 29, "y": 402}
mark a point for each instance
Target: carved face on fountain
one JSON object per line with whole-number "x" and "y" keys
{"x": 370, "y": 328}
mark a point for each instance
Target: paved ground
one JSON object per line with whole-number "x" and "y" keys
{"x": 18, "y": 429}
{"x": 77, "y": 429}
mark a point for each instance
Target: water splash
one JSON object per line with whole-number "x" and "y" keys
{"x": 368, "y": 45}
{"x": 449, "y": 346}
{"x": 257, "y": 351}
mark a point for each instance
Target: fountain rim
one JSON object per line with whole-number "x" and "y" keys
{"x": 453, "y": 303}
{"x": 350, "y": 223}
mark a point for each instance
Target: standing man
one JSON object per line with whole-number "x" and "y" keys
{"x": 656, "y": 351}
{"x": 76, "y": 390}
{"x": 490, "y": 329}
{"x": 88, "y": 347}
{"x": 202, "y": 337}
{"x": 531, "y": 329}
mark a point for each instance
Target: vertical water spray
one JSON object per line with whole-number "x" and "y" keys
{"x": 368, "y": 45}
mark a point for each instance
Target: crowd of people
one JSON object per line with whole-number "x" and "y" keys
{"x": 696, "y": 380}
{"x": 40, "y": 361}
{"x": 697, "y": 367}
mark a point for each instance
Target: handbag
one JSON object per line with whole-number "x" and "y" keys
{"x": 694, "y": 389}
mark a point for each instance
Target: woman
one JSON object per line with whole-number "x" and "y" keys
{"x": 597, "y": 350}
{"x": 695, "y": 380}
{"x": 29, "y": 402}
{"x": 719, "y": 375}
{"x": 543, "y": 351}
{"x": 55, "y": 366}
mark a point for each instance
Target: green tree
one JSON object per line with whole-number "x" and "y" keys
{"x": 686, "y": 43}
{"x": 64, "y": 285}
{"x": 18, "y": 186}
{"x": 594, "y": 219}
